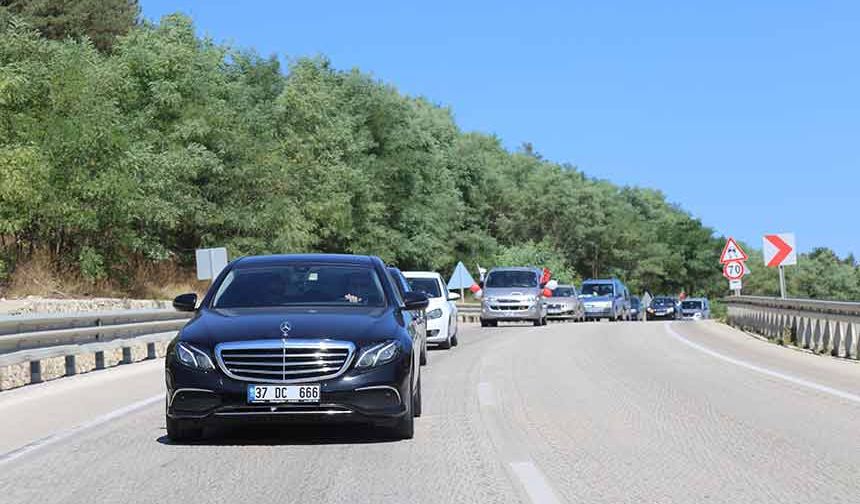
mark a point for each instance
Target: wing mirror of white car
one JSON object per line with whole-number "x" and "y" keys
{"x": 453, "y": 296}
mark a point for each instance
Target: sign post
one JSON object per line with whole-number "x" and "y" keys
{"x": 461, "y": 279}
{"x": 780, "y": 250}
{"x": 210, "y": 262}
{"x": 733, "y": 258}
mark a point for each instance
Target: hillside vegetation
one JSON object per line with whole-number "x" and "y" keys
{"x": 121, "y": 156}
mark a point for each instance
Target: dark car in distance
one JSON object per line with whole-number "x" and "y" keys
{"x": 663, "y": 308}
{"x": 635, "y": 308}
{"x": 307, "y": 338}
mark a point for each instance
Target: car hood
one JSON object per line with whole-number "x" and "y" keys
{"x": 357, "y": 324}
{"x": 437, "y": 302}
{"x": 511, "y": 292}
{"x": 597, "y": 299}
{"x": 561, "y": 300}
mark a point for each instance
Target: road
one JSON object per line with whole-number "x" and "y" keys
{"x": 597, "y": 412}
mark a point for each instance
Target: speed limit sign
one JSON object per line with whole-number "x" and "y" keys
{"x": 733, "y": 270}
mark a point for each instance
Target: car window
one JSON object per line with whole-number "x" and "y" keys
{"x": 429, "y": 286}
{"x": 300, "y": 285}
{"x": 502, "y": 279}
{"x": 598, "y": 289}
{"x": 662, "y": 302}
{"x": 564, "y": 292}
{"x": 692, "y": 305}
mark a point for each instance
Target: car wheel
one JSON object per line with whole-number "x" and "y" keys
{"x": 182, "y": 431}
{"x": 445, "y": 345}
{"x": 405, "y": 426}
{"x": 485, "y": 323}
{"x": 537, "y": 323}
{"x": 454, "y": 340}
{"x": 423, "y": 358}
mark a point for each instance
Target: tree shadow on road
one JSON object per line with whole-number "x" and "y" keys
{"x": 254, "y": 434}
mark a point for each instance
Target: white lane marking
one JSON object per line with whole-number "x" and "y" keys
{"x": 65, "y": 434}
{"x": 486, "y": 397}
{"x": 765, "y": 371}
{"x": 536, "y": 485}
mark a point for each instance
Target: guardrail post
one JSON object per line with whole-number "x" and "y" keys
{"x": 150, "y": 350}
{"x": 98, "y": 324}
{"x": 35, "y": 371}
{"x": 126, "y": 355}
{"x": 71, "y": 368}
{"x": 851, "y": 346}
{"x": 100, "y": 359}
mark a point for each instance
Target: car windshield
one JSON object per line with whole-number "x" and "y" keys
{"x": 512, "y": 278}
{"x": 597, "y": 289}
{"x": 662, "y": 302}
{"x": 300, "y": 285}
{"x": 691, "y": 305}
{"x": 564, "y": 292}
{"x": 429, "y": 286}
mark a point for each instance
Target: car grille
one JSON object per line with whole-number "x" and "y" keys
{"x": 284, "y": 360}
{"x": 509, "y": 307}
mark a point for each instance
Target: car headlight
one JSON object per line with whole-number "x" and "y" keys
{"x": 670, "y": 310}
{"x": 379, "y": 354}
{"x": 434, "y": 314}
{"x": 489, "y": 299}
{"x": 650, "y": 310}
{"x": 193, "y": 357}
{"x": 530, "y": 299}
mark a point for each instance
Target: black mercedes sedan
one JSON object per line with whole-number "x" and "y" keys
{"x": 308, "y": 338}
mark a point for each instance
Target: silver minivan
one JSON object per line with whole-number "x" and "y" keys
{"x": 513, "y": 294}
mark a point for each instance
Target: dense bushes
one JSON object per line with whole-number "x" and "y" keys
{"x": 163, "y": 142}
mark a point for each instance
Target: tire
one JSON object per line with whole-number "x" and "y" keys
{"x": 454, "y": 341}
{"x": 445, "y": 345}
{"x": 423, "y": 358}
{"x": 182, "y": 431}
{"x": 485, "y": 323}
{"x": 417, "y": 405}
{"x": 404, "y": 428}
{"x": 538, "y": 322}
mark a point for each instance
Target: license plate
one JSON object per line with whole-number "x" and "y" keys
{"x": 283, "y": 393}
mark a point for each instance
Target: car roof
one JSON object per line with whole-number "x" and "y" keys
{"x": 600, "y": 280}
{"x": 696, "y": 299}
{"x": 278, "y": 259}
{"x": 421, "y": 274}
{"x": 515, "y": 268}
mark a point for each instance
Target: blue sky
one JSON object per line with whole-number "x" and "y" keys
{"x": 741, "y": 112}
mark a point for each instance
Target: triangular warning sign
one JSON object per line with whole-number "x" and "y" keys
{"x": 732, "y": 252}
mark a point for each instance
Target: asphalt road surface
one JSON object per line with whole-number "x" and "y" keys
{"x": 595, "y": 412}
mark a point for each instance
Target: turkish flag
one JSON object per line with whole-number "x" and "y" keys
{"x": 547, "y": 274}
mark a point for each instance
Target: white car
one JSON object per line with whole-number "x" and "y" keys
{"x": 441, "y": 313}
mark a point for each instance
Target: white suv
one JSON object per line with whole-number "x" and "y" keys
{"x": 441, "y": 312}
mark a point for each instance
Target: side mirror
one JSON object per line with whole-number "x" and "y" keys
{"x": 185, "y": 302}
{"x": 415, "y": 301}
{"x": 453, "y": 296}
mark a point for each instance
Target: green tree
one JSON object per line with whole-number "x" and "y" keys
{"x": 102, "y": 21}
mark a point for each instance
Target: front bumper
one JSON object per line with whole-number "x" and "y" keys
{"x": 598, "y": 312}
{"x": 512, "y": 312}
{"x": 660, "y": 316}
{"x": 563, "y": 311}
{"x": 437, "y": 330}
{"x": 376, "y": 396}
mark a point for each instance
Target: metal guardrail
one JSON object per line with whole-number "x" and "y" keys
{"x": 827, "y": 327}
{"x": 39, "y": 331}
